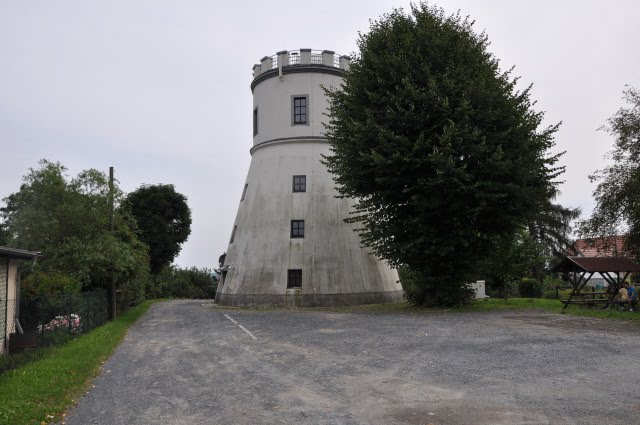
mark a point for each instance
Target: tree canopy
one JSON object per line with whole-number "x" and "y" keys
{"x": 617, "y": 195}
{"x": 164, "y": 219}
{"x": 445, "y": 158}
{"x": 68, "y": 221}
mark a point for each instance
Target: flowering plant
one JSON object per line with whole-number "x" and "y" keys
{"x": 63, "y": 322}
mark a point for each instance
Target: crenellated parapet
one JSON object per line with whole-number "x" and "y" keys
{"x": 302, "y": 57}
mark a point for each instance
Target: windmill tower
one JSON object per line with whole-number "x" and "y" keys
{"x": 289, "y": 244}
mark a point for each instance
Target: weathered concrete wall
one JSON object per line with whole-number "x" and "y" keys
{"x": 330, "y": 255}
{"x": 298, "y": 299}
{"x": 336, "y": 270}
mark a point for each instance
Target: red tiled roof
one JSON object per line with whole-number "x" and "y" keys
{"x": 596, "y": 265}
{"x": 610, "y": 246}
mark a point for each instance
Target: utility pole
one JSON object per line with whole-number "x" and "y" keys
{"x": 111, "y": 229}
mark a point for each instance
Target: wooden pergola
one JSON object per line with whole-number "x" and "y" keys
{"x": 579, "y": 271}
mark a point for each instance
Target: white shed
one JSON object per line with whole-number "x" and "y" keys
{"x": 10, "y": 290}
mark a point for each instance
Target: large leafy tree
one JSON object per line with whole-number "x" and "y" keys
{"x": 532, "y": 250}
{"x": 67, "y": 219}
{"x": 551, "y": 229}
{"x": 515, "y": 258}
{"x": 617, "y": 195}
{"x": 445, "y": 158}
{"x": 164, "y": 219}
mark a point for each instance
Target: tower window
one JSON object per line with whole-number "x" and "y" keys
{"x": 233, "y": 234}
{"x": 255, "y": 121}
{"x": 244, "y": 191}
{"x": 297, "y": 228}
{"x": 300, "y": 104}
{"x": 299, "y": 183}
{"x": 294, "y": 278}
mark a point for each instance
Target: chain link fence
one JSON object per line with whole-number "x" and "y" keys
{"x": 55, "y": 319}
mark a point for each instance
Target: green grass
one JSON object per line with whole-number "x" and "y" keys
{"x": 41, "y": 391}
{"x": 14, "y": 361}
{"x": 492, "y": 304}
{"x": 554, "y": 306}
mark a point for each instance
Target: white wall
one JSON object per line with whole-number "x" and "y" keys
{"x": 329, "y": 255}
{"x": 272, "y": 97}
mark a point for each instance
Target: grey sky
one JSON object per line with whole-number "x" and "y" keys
{"x": 160, "y": 89}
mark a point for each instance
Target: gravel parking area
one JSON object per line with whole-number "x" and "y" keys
{"x": 189, "y": 362}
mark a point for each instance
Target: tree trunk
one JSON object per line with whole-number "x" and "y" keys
{"x": 427, "y": 298}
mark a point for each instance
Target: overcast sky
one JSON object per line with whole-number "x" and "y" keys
{"x": 160, "y": 89}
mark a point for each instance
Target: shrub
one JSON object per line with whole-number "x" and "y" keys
{"x": 49, "y": 283}
{"x": 174, "y": 282}
{"x": 129, "y": 294}
{"x": 414, "y": 290}
{"x": 530, "y": 288}
{"x": 551, "y": 294}
{"x": 565, "y": 293}
{"x": 63, "y": 322}
{"x": 552, "y": 287}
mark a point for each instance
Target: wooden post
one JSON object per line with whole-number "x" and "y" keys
{"x": 111, "y": 229}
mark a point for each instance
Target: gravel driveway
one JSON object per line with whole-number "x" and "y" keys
{"x": 188, "y": 362}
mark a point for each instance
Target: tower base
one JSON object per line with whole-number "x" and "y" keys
{"x": 294, "y": 298}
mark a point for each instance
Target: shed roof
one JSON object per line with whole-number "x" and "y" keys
{"x": 20, "y": 254}
{"x": 596, "y": 265}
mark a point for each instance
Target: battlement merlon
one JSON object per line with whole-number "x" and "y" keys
{"x": 302, "y": 57}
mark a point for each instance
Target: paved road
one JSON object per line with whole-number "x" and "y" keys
{"x": 186, "y": 362}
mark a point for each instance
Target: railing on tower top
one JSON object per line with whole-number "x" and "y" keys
{"x": 301, "y": 57}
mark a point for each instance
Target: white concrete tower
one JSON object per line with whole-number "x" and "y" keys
{"x": 290, "y": 244}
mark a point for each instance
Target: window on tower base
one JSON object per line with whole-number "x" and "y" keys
{"x": 294, "y": 278}
{"x": 297, "y": 228}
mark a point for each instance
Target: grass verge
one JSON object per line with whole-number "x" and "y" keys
{"x": 41, "y": 391}
{"x": 14, "y": 361}
{"x": 492, "y": 304}
{"x": 554, "y": 306}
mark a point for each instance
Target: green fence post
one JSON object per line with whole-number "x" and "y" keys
{"x": 67, "y": 303}
{"x": 40, "y": 305}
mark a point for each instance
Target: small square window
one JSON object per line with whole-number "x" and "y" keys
{"x": 297, "y": 228}
{"x": 299, "y": 183}
{"x": 294, "y": 278}
{"x": 300, "y": 110}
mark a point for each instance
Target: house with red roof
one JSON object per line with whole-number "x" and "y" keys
{"x": 609, "y": 246}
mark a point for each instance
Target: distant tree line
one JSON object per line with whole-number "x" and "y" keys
{"x": 67, "y": 219}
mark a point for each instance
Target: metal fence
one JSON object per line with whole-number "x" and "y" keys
{"x": 54, "y": 319}
{"x": 295, "y": 59}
